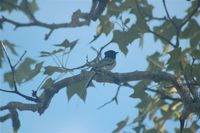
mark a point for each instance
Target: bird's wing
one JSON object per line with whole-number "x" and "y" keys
{"x": 103, "y": 63}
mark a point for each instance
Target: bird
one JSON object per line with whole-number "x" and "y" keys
{"x": 107, "y": 63}
{"x": 98, "y": 6}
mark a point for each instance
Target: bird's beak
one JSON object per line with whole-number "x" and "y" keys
{"x": 116, "y": 52}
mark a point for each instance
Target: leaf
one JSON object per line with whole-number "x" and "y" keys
{"x": 33, "y": 6}
{"x": 154, "y": 63}
{"x": 29, "y": 8}
{"x": 121, "y": 125}
{"x": 23, "y": 72}
{"x": 36, "y": 70}
{"x": 139, "y": 89}
{"x": 176, "y": 57}
{"x": 167, "y": 48}
{"x": 9, "y": 5}
{"x": 48, "y": 83}
{"x": 196, "y": 53}
{"x": 67, "y": 44}
{"x": 123, "y": 38}
{"x": 115, "y": 8}
{"x": 166, "y": 30}
{"x": 46, "y": 54}
{"x": 49, "y": 70}
{"x": 105, "y": 26}
{"x": 11, "y": 46}
{"x": 8, "y": 45}
{"x": 192, "y": 33}
{"x": 80, "y": 87}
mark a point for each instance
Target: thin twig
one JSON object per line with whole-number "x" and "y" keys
{"x": 88, "y": 64}
{"x": 3, "y": 90}
{"x": 75, "y": 22}
{"x": 163, "y": 95}
{"x": 20, "y": 59}
{"x": 168, "y": 16}
{"x": 151, "y": 31}
{"x": 113, "y": 99}
{"x": 162, "y": 38}
{"x": 16, "y": 91}
{"x": 190, "y": 16}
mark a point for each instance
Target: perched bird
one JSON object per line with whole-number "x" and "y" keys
{"x": 98, "y": 6}
{"x": 108, "y": 62}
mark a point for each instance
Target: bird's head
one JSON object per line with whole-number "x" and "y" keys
{"x": 110, "y": 54}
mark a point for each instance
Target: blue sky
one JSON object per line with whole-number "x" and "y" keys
{"x": 76, "y": 116}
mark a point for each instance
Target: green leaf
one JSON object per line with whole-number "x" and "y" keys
{"x": 192, "y": 33}
{"x": 9, "y": 5}
{"x": 11, "y": 46}
{"x": 36, "y": 70}
{"x": 121, "y": 125}
{"x": 196, "y": 53}
{"x": 139, "y": 89}
{"x": 23, "y": 72}
{"x": 115, "y": 8}
{"x": 123, "y": 38}
{"x": 8, "y": 45}
{"x": 29, "y": 8}
{"x": 67, "y": 44}
{"x": 80, "y": 87}
{"x": 33, "y": 6}
{"x": 176, "y": 57}
{"x": 154, "y": 63}
{"x": 46, "y": 54}
{"x": 105, "y": 25}
{"x": 48, "y": 83}
{"x": 49, "y": 70}
{"x": 167, "y": 30}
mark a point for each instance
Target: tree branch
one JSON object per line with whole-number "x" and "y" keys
{"x": 149, "y": 30}
{"x": 5, "y": 117}
{"x": 108, "y": 77}
{"x": 114, "y": 99}
{"x": 75, "y": 22}
{"x": 12, "y": 67}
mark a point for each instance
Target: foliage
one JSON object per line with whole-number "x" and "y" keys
{"x": 128, "y": 21}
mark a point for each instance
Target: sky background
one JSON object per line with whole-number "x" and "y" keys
{"x": 76, "y": 116}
